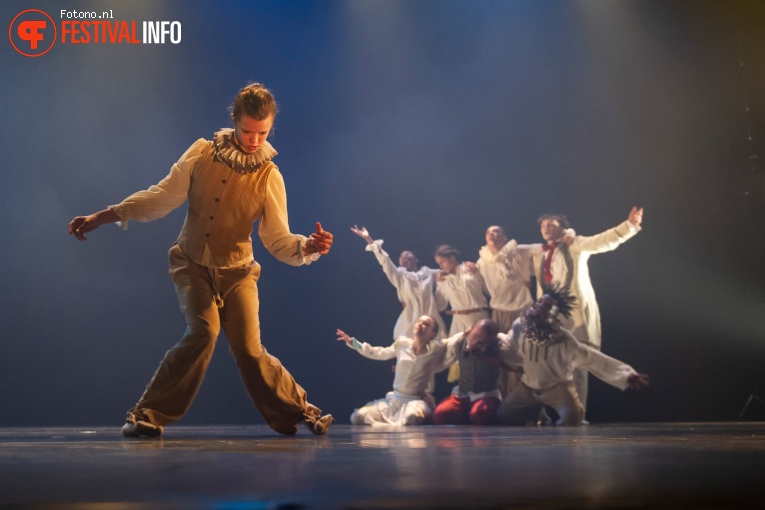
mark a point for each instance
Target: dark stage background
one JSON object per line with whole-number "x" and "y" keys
{"x": 425, "y": 121}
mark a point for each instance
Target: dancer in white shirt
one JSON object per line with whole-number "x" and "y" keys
{"x": 505, "y": 267}
{"x": 565, "y": 266}
{"x": 460, "y": 286}
{"x": 417, "y": 360}
{"x": 550, "y": 354}
{"x": 414, "y": 285}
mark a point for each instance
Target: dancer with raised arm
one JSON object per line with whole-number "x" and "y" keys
{"x": 563, "y": 265}
{"x": 414, "y": 285}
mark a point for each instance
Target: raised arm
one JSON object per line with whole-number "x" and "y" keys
{"x": 613, "y": 237}
{"x": 362, "y": 233}
{"x": 396, "y": 276}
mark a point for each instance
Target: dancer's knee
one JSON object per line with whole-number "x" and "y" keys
{"x": 416, "y": 415}
{"x": 484, "y": 412}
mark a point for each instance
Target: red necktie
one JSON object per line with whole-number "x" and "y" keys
{"x": 549, "y": 248}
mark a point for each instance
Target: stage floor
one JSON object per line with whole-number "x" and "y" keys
{"x": 666, "y": 465}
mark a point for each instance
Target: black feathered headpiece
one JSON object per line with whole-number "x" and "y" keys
{"x": 564, "y": 301}
{"x": 543, "y": 327}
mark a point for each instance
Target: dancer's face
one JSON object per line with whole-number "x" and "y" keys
{"x": 251, "y": 133}
{"x": 479, "y": 338}
{"x": 424, "y": 327}
{"x": 551, "y": 230}
{"x": 543, "y": 306}
{"x": 496, "y": 237}
{"x": 447, "y": 264}
{"x": 408, "y": 261}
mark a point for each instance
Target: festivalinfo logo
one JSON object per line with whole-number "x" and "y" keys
{"x": 34, "y": 32}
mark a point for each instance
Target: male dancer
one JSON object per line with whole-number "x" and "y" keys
{"x": 550, "y": 354}
{"x": 505, "y": 267}
{"x": 506, "y": 270}
{"x": 481, "y": 358}
{"x": 565, "y": 266}
{"x": 230, "y": 183}
{"x": 414, "y": 286}
{"x": 417, "y": 360}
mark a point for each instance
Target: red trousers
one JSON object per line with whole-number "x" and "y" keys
{"x": 454, "y": 410}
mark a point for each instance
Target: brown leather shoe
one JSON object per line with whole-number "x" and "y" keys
{"x": 320, "y": 426}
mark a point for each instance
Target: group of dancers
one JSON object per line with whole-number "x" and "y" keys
{"x": 510, "y": 356}
{"x": 231, "y": 182}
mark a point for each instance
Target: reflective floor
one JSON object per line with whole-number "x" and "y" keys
{"x": 669, "y": 465}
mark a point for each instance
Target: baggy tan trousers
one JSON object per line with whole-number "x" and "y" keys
{"x": 210, "y": 299}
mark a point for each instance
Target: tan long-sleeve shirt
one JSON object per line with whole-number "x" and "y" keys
{"x": 223, "y": 206}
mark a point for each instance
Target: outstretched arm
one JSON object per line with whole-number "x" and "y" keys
{"x": 149, "y": 204}
{"x": 81, "y": 225}
{"x": 604, "y": 367}
{"x": 613, "y": 237}
{"x": 366, "y": 350}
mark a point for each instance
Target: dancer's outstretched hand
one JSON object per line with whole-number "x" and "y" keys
{"x": 636, "y": 216}
{"x": 362, "y": 233}
{"x": 318, "y": 242}
{"x": 81, "y": 225}
{"x": 342, "y": 336}
{"x": 637, "y": 381}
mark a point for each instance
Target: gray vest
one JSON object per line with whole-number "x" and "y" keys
{"x": 475, "y": 375}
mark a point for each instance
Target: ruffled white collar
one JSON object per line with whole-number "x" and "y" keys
{"x": 227, "y": 152}
{"x": 488, "y": 256}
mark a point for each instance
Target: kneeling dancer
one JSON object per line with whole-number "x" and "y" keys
{"x": 550, "y": 355}
{"x": 417, "y": 360}
{"x": 481, "y": 358}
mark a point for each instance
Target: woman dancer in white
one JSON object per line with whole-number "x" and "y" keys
{"x": 417, "y": 360}
{"x": 414, "y": 285}
{"x": 461, "y": 287}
